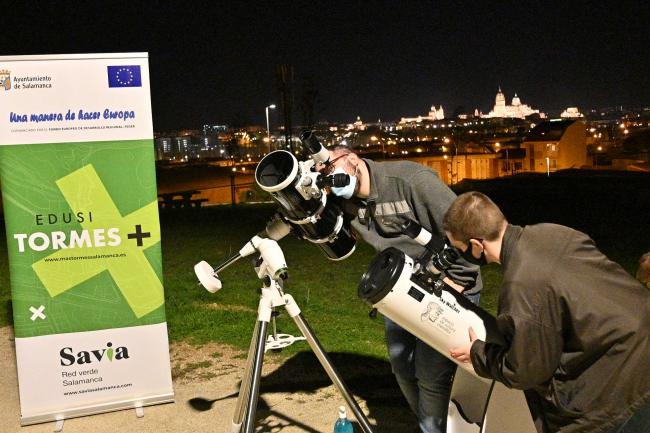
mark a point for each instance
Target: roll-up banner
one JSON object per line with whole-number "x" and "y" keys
{"x": 80, "y": 208}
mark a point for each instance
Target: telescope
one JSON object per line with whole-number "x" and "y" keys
{"x": 304, "y": 210}
{"x": 300, "y": 191}
{"x": 411, "y": 293}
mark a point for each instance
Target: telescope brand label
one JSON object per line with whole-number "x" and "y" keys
{"x": 83, "y": 236}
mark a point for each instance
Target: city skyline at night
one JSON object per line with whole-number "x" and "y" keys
{"x": 377, "y": 59}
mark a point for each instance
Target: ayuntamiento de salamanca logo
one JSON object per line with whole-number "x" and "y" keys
{"x": 5, "y": 79}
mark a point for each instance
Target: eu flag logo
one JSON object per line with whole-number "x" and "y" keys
{"x": 124, "y": 76}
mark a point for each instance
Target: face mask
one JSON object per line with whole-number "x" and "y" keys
{"x": 347, "y": 190}
{"x": 467, "y": 255}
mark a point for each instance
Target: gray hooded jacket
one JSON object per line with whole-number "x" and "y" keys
{"x": 401, "y": 190}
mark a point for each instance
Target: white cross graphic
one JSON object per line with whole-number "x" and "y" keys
{"x": 38, "y": 313}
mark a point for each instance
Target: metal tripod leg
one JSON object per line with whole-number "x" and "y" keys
{"x": 238, "y": 417}
{"x": 331, "y": 371}
{"x": 251, "y": 404}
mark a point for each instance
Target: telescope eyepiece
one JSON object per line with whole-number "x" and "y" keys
{"x": 334, "y": 180}
{"x": 444, "y": 259}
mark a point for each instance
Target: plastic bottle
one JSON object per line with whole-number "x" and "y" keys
{"x": 343, "y": 424}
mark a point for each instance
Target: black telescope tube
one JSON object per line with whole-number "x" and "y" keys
{"x": 319, "y": 220}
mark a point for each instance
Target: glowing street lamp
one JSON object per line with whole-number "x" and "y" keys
{"x": 268, "y": 129}
{"x": 595, "y": 161}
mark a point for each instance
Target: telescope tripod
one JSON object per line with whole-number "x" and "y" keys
{"x": 272, "y": 297}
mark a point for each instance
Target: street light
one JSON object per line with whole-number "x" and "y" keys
{"x": 268, "y": 130}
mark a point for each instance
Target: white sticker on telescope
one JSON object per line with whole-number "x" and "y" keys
{"x": 433, "y": 312}
{"x": 435, "y": 317}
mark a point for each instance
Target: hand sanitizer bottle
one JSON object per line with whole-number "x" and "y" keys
{"x": 343, "y": 424}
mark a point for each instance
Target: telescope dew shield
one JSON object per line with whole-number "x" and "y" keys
{"x": 442, "y": 322}
{"x": 320, "y": 221}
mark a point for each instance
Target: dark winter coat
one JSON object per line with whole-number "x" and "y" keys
{"x": 577, "y": 327}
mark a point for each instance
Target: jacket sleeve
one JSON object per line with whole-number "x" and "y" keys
{"x": 530, "y": 357}
{"x": 431, "y": 199}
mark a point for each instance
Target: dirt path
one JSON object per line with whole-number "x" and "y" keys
{"x": 293, "y": 397}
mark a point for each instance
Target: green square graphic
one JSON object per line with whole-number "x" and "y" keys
{"x": 83, "y": 236}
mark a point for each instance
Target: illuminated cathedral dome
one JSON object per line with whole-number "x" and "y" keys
{"x": 434, "y": 114}
{"x": 515, "y": 111}
{"x": 500, "y": 99}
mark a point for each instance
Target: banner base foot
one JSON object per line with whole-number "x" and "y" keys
{"x": 139, "y": 410}
{"x": 58, "y": 426}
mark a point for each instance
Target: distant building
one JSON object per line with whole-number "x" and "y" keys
{"x": 571, "y": 113}
{"x": 358, "y": 125}
{"x": 556, "y": 145}
{"x": 516, "y": 110}
{"x": 512, "y": 161}
{"x": 163, "y": 148}
{"x": 208, "y": 129}
{"x": 434, "y": 114}
{"x": 181, "y": 147}
{"x": 453, "y": 169}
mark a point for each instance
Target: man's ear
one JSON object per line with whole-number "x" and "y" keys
{"x": 353, "y": 158}
{"x": 477, "y": 244}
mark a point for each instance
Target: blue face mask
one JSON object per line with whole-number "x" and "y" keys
{"x": 345, "y": 191}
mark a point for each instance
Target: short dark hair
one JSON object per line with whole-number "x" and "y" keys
{"x": 339, "y": 149}
{"x": 473, "y": 216}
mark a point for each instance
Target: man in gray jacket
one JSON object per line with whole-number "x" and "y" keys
{"x": 379, "y": 197}
{"x": 577, "y": 326}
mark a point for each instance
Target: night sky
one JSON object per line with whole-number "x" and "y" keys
{"x": 214, "y": 62}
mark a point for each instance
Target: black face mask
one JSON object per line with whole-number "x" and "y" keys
{"x": 467, "y": 255}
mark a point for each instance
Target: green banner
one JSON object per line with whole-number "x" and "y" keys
{"x": 82, "y": 221}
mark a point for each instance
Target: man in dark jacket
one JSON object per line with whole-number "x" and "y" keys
{"x": 577, "y": 325}
{"x": 379, "y": 197}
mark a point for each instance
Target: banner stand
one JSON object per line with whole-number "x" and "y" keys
{"x": 77, "y": 168}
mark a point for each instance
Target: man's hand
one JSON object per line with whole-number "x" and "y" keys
{"x": 453, "y": 285}
{"x": 462, "y": 353}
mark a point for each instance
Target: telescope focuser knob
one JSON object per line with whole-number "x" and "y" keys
{"x": 437, "y": 287}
